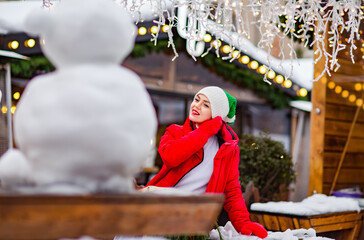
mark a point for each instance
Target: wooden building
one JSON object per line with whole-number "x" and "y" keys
{"x": 337, "y": 124}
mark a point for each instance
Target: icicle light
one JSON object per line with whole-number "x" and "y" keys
{"x": 228, "y": 21}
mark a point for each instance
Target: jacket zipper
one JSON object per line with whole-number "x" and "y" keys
{"x": 203, "y": 153}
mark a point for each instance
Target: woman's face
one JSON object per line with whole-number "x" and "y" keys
{"x": 200, "y": 109}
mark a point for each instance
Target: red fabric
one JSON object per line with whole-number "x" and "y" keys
{"x": 181, "y": 149}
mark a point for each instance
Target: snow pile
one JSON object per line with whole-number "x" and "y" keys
{"x": 86, "y": 127}
{"x": 313, "y": 205}
{"x": 228, "y": 232}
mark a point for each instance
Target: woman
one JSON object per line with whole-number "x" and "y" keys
{"x": 203, "y": 156}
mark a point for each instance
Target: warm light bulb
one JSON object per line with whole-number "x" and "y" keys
{"x": 142, "y": 31}
{"x": 226, "y": 49}
{"x": 29, "y": 43}
{"x": 359, "y": 102}
{"x": 358, "y": 86}
{"x": 338, "y": 89}
{"x": 13, "y": 108}
{"x": 271, "y": 74}
{"x": 287, "y": 83}
{"x": 331, "y": 85}
{"x": 235, "y": 54}
{"x": 4, "y": 109}
{"x": 279, "y": 79}
{"x": 352, "y": 98}
{"x": 207, "y": 38}
{"x": 16, "y": 95}
{"x": 345, "y": 93}
{"x": 244, "y": 59}
{"x": 154, "y": 29}
{"x": 165, "y": 28}
{"x": 13, "y": 45}
{"x": 302, "y": 92}
{"x": 254, "y": 64}
{"x": 216, "y": 43}
{"x": 262, "y": 69}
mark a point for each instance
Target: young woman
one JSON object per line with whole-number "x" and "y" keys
{"x": 203, "y": 156}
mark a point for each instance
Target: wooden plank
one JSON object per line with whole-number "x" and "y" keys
{"x": 285, "y": 223}
{"x": 337, "y": 143}
{"x": 54, "y": 217}
{"x": 339, "y": 128}
{"x": 339, "y": 218}
{"x": 255, "y": 217}
{"x": 318, "y": 95}
{"x": 271, "y": 222}
{"x": 335, "y": 227}
{"x": 331, "y": 159}
{"x": 304, "y": 223}
{"x": 343, "y": 113}
{"x": 347, "y": 175}
{"x": 348, "y": 68}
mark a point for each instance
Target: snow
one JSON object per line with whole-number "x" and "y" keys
{"x": 228, "y": 232}
{"x": 313, "y": 205}
{"x": 86, "y": 127}
{"x": 300, "y": 71}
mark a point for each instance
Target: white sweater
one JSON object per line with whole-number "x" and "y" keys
{"x": 197, "y": 179}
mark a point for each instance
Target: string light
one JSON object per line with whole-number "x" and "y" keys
{"x": 12, "y": 109}
{"x": 262, "y": 69}
{"x": 29, "y": 43}
{"x": 226, "y": 49}
{"x": 331, "y": 85}
{"x": 338, "y": 89}
{"x": 165, "y": 28}
{"x": 271, "y": 74}
{"x": 215, "y": 16}
{"x": 279, "y": 79}
{"x": 302, "y": 92}
{"x": 207, "y": 38}
{"x": 142, "y": 31}
{"x": 16, "y": 95}
{"x": 13, "y": 45}
{"x": 352, "y": 98}
{"x": 253, "y": 64}
{"x": 287, "y": 83}
{"x": 244, "y": 59}
{"x": 345, "y": 94}
{"x": 4, "y": 109}
{"x": 154, "y": 29}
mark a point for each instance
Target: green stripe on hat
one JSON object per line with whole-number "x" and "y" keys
{"x": 232, "y": 108}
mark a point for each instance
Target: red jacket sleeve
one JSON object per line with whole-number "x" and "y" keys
{"x": 174, "y": 148}
{"x": 234, "y": 202}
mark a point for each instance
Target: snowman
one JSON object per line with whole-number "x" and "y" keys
{"x": 86, "y": 127}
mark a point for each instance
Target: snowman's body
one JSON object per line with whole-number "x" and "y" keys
{"x": 89, "y": 124}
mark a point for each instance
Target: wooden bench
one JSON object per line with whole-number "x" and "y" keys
{"x": 106, "y": 216}
{"x": 339, "y": 226}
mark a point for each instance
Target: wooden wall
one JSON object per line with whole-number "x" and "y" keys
{"x": 336, "y": 99}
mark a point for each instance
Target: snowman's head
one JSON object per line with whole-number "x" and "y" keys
{"x": 84, "y": 31}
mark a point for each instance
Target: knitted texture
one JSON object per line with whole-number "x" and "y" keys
{"x": 222, "y": 103}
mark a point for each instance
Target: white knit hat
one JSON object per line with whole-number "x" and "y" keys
{"x": 222, "y": 103}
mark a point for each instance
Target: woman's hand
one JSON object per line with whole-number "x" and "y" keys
{"x": 211, "y": 127}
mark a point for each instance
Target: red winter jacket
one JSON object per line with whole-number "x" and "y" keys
{"x": 181, "y": 149}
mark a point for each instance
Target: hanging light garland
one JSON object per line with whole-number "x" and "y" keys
{"x": 229, "y": 21}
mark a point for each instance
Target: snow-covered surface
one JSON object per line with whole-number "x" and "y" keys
{"x": 300, "y": 71}
{"x": 9, "y": 54}
{"x": 88, "y": 126}
{"x": 313, "y": 205}
{"x": 228, "y": 232}
{"x": 301, "y": 105}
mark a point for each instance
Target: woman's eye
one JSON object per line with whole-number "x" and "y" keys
{"x": 206, "y": 105}
{"x": 196, "y": 100}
